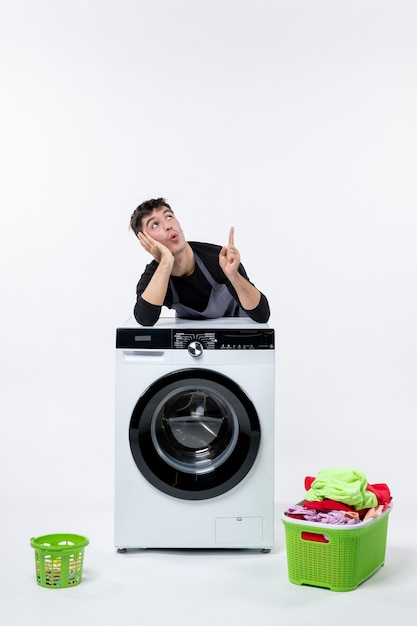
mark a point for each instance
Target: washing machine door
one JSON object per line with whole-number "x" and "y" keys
{"x": 194, "y": 434}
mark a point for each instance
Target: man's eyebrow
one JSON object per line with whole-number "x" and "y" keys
{"x": 154, "y": 216}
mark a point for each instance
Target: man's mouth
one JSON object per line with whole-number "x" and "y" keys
{"x": 173, "y": 237}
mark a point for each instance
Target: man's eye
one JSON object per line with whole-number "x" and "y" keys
{"x": 155, "y": 224}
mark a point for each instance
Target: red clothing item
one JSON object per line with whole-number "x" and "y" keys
{"x": 327, "y": 505}
{"x": 308, "y": 481}
{"x": 382, "y": 492}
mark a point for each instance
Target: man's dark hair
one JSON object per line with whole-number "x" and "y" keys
{"x": 145, "y": 209}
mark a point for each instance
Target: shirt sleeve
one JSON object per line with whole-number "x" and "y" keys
{"x": 261, "y": 313}
{"x": 146, "y": 314}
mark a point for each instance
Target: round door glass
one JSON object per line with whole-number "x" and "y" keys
{"x": 195, "y": 430}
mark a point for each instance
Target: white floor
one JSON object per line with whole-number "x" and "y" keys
{"x": 185, "y": 587}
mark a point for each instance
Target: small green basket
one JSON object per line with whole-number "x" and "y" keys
{"x": 338, "y": 557}
{"x": 59, "y": 559}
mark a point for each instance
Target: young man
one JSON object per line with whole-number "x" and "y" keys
{"x": 198, "y": 280}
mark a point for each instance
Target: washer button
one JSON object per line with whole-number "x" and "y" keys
{"x": 195, "y": 348}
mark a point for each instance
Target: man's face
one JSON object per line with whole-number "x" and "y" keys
{"x": 163, "y": 226}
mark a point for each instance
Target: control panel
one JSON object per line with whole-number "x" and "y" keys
{"x": 218, "y": 339}
{"x": 225, "y": 339}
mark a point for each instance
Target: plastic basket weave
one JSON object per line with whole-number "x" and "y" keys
{"x": 59, "y": 560}
{"x": 339, "y": 557}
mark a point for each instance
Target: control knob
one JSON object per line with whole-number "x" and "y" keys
{"x": 195, "y": 348}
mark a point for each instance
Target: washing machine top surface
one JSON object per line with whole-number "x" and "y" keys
{"x": 176, "y": 323}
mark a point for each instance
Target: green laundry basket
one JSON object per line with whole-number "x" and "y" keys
{"x": 339, "y": 557}
{"x": 59, "y": 559}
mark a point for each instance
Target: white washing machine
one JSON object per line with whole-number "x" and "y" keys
{"x": 194, "y": 457}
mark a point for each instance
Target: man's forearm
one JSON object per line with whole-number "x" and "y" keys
{"x": 156, "y": 289}
{"x": 249, "y": 296}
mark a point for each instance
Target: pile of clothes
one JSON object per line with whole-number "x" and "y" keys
{"x": 340, "y": 495}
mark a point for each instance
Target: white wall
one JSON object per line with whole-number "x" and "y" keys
{"x": 293, "y": 120}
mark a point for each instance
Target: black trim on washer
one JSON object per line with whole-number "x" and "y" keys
{"x": 185, "y": 471}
